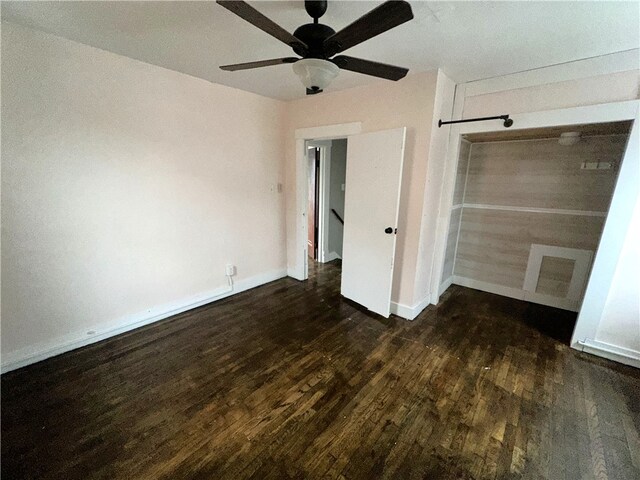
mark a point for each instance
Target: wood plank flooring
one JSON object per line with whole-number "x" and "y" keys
{"x": 290, "y": 380}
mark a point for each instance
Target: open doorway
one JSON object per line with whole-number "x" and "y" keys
{"x": 326, "y": 162}
{"x": 313, "y": 154}
{"x": 366, "y": 229}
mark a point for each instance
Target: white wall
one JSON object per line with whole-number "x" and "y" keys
{"x": 620, "y": 322}
{"x": 126, "y": 188}
{"x": 570, "y": 93}
{"x": 609, "y": 321}
{"x": 431, "y": 208}
{"x": 337, "y": 175}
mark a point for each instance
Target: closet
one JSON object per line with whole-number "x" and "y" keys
{"x": 529, "y": 208}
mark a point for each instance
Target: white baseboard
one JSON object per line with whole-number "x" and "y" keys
{"x": 489, "y": 287}
{"x": 611, "y": 352}
{"x": 66, "y": 343}
{"x": 295, "y": 272}
{"x": 444, "y": 285}
{"x": 407, "y": 312}
{"x": 331, "y": 257}
{"x": 517, "y": 293}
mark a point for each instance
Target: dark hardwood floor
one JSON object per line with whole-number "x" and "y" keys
{"x": 289, "y": 380}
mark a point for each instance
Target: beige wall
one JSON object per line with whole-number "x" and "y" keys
{"x": 126, "y": 188}
{"x": 380, "y": 106}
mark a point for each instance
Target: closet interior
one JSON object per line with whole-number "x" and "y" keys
{"x": 529, "y": 208}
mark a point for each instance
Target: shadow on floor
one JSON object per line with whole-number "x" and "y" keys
{"x": 550, "y": 322}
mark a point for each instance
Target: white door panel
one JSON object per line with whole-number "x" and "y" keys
{"x": 372, "y": 195}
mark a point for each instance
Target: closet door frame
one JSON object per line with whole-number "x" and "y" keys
{"x": 621, "y": 208}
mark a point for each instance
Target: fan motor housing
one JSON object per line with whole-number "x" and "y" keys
{"x": 314, "y": 35}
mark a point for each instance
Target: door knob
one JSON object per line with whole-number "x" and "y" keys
{"x": 388, "y": 230}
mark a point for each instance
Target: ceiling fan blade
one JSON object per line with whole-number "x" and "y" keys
{"x": 254, "y": 17}
{"x": 382, "y": 18}
{"x": 258, "y": 64}
{"x": 382, "y": 70}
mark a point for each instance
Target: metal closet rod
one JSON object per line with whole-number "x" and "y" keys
{"x": 507, "y": 121}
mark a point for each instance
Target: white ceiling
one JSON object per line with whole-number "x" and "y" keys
{"x": 469, "y": 40}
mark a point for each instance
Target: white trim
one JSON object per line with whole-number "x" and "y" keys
{"x": 611, "y": 352}
{"x": 407, "y": 312}
{"x": 446, "y": 198}
{"x": 293, "y": 272}
{"x": 588, "y": 114}
{"x": 456, "y": 207}
{"x": 582, "y": 259}
{"x": 74, "y": 340}
{"x": 464, "y": 195}
{"x": 324, "y": 181}
{"x": 444, "y": 285}
{"x": 589, "y": 67}
{"x": 510, "y": 292}
{"x": 516, "y": 293}
{"x": 325, "y": 200}
{"x": 550, "y": 137}
{"x": 300, "y": 270}
{"x": 559, "y": 211}
{"x": 466, "y": 173}
{"x": 550, "y": 301}
{"x": 331, "y": 256}
{"x": 443, "y": 105}
{"x": 329, "y": 132}
{"x": 616, "y": 228}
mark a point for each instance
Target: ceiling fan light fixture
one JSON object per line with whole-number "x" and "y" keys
{"x": 314, "y": 73}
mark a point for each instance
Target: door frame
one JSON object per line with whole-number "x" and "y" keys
{"x": 300, "y": 271}
{"x": 618, "y": 217}
{"x": 322, "y": 186}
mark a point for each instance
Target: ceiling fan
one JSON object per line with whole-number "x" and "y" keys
{"x": 318, "y": 44}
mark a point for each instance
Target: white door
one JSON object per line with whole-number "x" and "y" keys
{"x": 372, "y": 195}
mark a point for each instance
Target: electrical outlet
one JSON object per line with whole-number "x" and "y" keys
{"x": 230, "y": 270}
